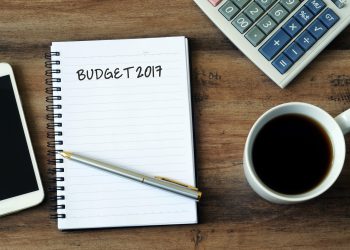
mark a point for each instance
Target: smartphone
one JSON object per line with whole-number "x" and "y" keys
{"x": 20, "y": 184}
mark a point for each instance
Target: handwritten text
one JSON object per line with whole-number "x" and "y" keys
{"x": 120, "y": 73}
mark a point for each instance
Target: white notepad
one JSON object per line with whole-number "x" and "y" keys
{"x": 125, "y": 102}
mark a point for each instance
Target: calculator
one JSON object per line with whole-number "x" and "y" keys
{"x": 280, "y": 36}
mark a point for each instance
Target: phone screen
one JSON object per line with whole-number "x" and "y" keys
{"x": 16, "y": 170}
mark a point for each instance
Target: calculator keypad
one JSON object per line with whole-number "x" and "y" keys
{"x": 329, "y": 18}
{"x": 315, "y": 6}
{"x": 303, "y": 16}
{"x": 317, "y": 29}
{"x": 242, "y": 23}
{"x": 265, "y": 4}
{"x": 292, "y": 27}
{"x": 278, "y": 13}
{"x": 229, "y": 10}
{"x": 240, "y": 3}
{"x": 257, "y": 19}
{"x": 255, "y": 36}
{"x": 306, "y": 40}
{"x": 275, "y": 44}
{"x": 253, "y": 11}
{"x": 339, "y": 3}
{"x": 266, "y": 24}
{"x": 294, "y": 52}
{"x": 290, "y": 5}
{"x": 282, "y": 63}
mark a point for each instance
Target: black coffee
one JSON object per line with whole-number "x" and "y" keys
{"x": 292, "y": 154}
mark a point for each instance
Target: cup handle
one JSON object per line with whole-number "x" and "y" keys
{"x": 343, "y": 121}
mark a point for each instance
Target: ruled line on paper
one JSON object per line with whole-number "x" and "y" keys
{"x": 122, "y": 109}
{"x": 119, "y": 55}
{"x": 143, "y": 205}
{"x": 126, "y": 149}
{"x": 153, "y": 164}
{"x": 127, "y": 117}
{"x": 111, "y": 180}
{"x": 95, "y": 199}
{"x": 124, "y": 214}
{"x": 147, "y": 124}
{"x": 120, "y": 152}
{"x": 125, "y": 64}
{"x": 133, "y": 130}
{"x": 129, "y": 133}
{"x": 156, "y": 169}
{"x": 110, "y": 103}
{"x": 112, "y": 85}
{"x": 121, "y": 141}
{"x": 116, "y": 94}
{"x": 103, "y": 175}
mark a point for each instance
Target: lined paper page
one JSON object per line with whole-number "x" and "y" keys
{"x": 142, "y": 123}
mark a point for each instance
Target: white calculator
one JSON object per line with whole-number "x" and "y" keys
{"x": 280, "y": 36}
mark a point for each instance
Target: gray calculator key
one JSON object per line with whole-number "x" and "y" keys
{"x": 278, "y": 13}
{"x": 255, "y": 36}
{"x": 228, "y": 10}
{"x": 339, "y": 3}
{"x": 253, "y": 11}
{"x": 242, "y": 23}
{"x": 290, "y": 5}
{"x": 240, "y": 3}
{"x": 265, "y": 4}
{"x": 267, "y": 24}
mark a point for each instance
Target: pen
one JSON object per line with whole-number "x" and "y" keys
{"x": 157, "y": 181}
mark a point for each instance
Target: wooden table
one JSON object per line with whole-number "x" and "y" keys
{"x": 230, "y": 93}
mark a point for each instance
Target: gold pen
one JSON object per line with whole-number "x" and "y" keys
{"x": 157, "y": 181}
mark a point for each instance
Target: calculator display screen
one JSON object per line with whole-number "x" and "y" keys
{"x": 16, "y": 170}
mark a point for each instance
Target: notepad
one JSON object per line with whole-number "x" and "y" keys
{"x": 128, "y": 103}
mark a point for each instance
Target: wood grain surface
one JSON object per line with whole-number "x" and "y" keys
{"x": 229, "y": 94}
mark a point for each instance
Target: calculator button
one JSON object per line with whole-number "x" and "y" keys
{"x": 315, "y": 6}
{"x": 303, "y": 16}
{"x": 228, "y": 10}
{"x": 242, "y": 23}
{"x": 290, "y": 5}
{"x": 240, "y": 3}
{"x": 278, "y": 13}
{"x": 317, "y": 29}
{"x": 253, "y": 11}
{"x": 282, "y": 63}
{"x": 292, "y": 27}
{"x": 215, "y": 2}
{"x": 294, "y": 52}
{"x": 328, "y": 18}
{"x": 274, "y": 44}
{"x": 266, "y": 24}
{"x": 339, "y": 3}
{"x": 265, "y": 4}
{"x": 255, "y": 36}
{"x": 306, "y": 40}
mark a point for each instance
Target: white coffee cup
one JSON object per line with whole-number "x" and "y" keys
{"x": 336, "y": 128}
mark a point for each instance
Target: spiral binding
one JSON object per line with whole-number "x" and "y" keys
{"x": 55, "y": 171}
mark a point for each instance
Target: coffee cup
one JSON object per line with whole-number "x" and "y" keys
{"x": 263, "y": 183}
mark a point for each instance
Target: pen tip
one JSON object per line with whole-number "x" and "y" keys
{"x": 65, "y": 154}
{"x": 199, "y": 196}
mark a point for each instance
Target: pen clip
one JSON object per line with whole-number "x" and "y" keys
{"x": 176, "y": 182}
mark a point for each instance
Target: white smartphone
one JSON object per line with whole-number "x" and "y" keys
{"x": 20, "y": 184}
